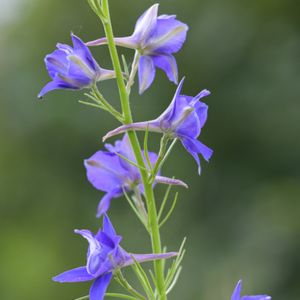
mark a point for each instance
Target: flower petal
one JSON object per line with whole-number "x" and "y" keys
{"x": 198, "y": 147}
{"x": 168, "y": 64}
{"x": 104, "y": 203}
{"x": 123, "y": 147}
{"x": 130, "y": 42}
{"x": 201, "y": 111}
{"x": 104, "y": 171}
{"x": 190, "y": 125}
{"x": 108, "y": 227}
{"x": 146, "y": 23}
{"x": 83, "y": 51}
{"x": 106, "y": 74}
{"x": 94, "y": 259}
{"x": 99, "y": 287}
{"x": 170, "y": 181}
{"x": 168, "y": 37}
{"x": 194, "y": 147}
{"x": 147, "y": 257}
{"x": 237, "y": 291}
{"x": 55, "y": 85}
{"x": 57, "y": 62}
{"x": 74, "y": 275}
{"x": 146, "y": 73}
{"x": 257, "y": 297}
{"x": 168, "y": 113}
{"x": 140, "y": 126}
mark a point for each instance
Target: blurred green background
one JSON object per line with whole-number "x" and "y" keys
{"x": 241, "y": 216}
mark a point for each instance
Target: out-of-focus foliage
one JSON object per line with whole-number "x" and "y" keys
{"x": 241, "y": 216}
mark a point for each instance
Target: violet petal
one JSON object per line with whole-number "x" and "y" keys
{"x": 99, "y": 287}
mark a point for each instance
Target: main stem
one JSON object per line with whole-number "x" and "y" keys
{"x": 124, "y": 97}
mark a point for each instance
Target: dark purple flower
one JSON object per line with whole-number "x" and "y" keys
{"x": 156, "y": 38}
{"x": 104, "y": 256}
{"x": 73, "y": 68}
{"x": 237, "y": 294}
{"x": 183, "y": 119}
{"x": 110, "y": 173}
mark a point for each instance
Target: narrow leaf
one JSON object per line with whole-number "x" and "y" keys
{"x": 135, "y": 209}
{"x": 161, "y": 209}
{"x": 125, "y": 65}
{"x": 170, "y": 211}
{"x": 131, "y": 162}
{"x": 146, "y": 152}
{"x": 173, "y": 283}
{"x": 91, "y": 104}
{"x": 118, "y": 295}
{"x": 142, "y": 276}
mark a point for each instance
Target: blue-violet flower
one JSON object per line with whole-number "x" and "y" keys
{"x": 104, "y": 256}
{"x": 183, "y": 119}
{"x": 73, "y": 68}
{"x": 237, "y": 294}
{"x": 109, "y": 172}
{"x": 156, "y": 38}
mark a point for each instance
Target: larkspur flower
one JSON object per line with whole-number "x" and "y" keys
{"x": 183, "y": 119}
{"x": 104, "y": 256}
{"x": 156, "y": 38}
{"x": 237, "y": 294}
{"x": 110, "y": 173}
{"x": 73, "y": 68}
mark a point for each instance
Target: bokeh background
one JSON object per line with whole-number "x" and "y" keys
{"x": 241, "y": 217}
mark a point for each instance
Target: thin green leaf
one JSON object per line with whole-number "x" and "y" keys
{"x": 161, "y": 209}
{"x": 92, "y": 96}
{"x": 83, "y": 298}
{"x": 175, "y": 265}
{"x": 118, "y": 295}
{"x": 125, "y": 65}
{"x": 93, "y": 6}
{"x": 153, "y": 278}
{"x": 131, "y": 162}
{"x": 135, "y": 209}
{"x": 174, "y": 281}
{"x": 125, "y": 284}
{"x": 146, "y": 152}
{"x": 161, "y": 154}
{"x": 170, "y": 211}
{"x": 99, "y": 98}
{"x": 142, "y": 276}
{"x": 168, "y": 153}
{"x": 91, "y": 104}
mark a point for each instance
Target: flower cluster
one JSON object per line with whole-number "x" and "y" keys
{"x": 183, "y": 119}
{"x": 156, "y": 38}
{"x": 108, "y": 171}
{"x": 124, "y": 168}
{"x": 104, "y": 256}
{"x": 73, "y": 68}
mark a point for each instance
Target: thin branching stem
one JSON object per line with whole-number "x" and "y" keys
{"x": 148, "y": 192}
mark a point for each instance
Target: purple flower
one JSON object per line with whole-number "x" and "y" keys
{"x": 237, "y": 294}
{"x": 73, "y": 68}
{"x": 183, "y": 119}
{"x": 156, "y": 38}
{"x": 104, "y": 256}
{"x": 110, "y": 173}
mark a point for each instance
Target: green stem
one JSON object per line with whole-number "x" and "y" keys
{"x": 124, "y": 97}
